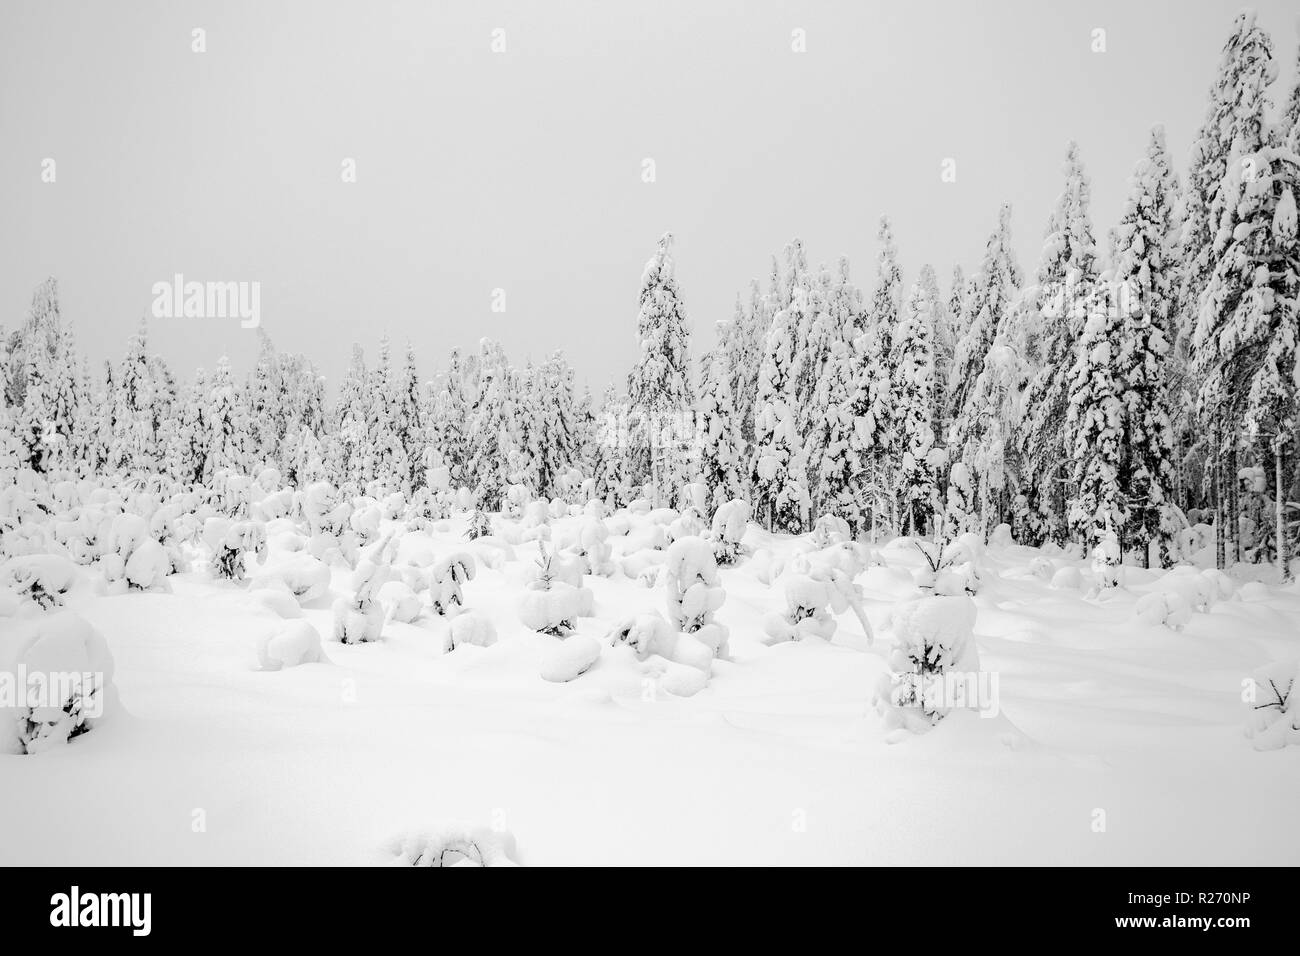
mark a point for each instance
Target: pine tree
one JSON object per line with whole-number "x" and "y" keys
{"x": 351, "y": 417}
{"x": 492, "y": 441}
{"x": 721, "y": 445}
{"x": 659, "y": 393}
{"x": 1246, "y": 296}
{"x": 1056, "y": 310}
{"x": 1095, "y": 417}
{"x": 984, "y": 376}
{"x": 778, "y": 469}
{"x": 608, "y": 444}
{"x": 226, "y": 420}
{"x": 913, "y": 374}
{"x": 1145, "y": 281}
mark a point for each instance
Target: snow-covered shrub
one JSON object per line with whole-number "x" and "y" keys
{"x": 570, "y": 658}
{"x": 688, "y": 524}
{"x": 445, "y": 580}
{"x": 730, "y": 522}
{"x": 650, "y": 634}
{"x": 453, "y": 844}
{"x": 592, "y": 545}
{"x": 361, "y": 617}
{"x": 297, "y": 642}
{"x": 480, "y": 525}
{"x": 59, "y": 674}
{"x": 1107, "y": 572}
{"x": 44, "y": 579}
{"x": 828, "y": 530}
{"x": 693, "y": 592}
{"x": 229, "y": 541}
{"x": 1275, "y": 706}
{"x": 305, "y": 577}
{"x": 811, "y": 602}
{"x": 932, "y": 658}
{"x": 1169, "y": 608}
{"x": 402, "y": 603}
{"x": 471, "y": 628}
{"x": 550, "y": 605}
{"x": 365, "y": 520}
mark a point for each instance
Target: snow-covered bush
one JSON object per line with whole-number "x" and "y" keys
{"x": 570, "y": 658}
{"x": 693, "y": 592}
{"x": 43, "y": 579}
{"x": 1169, "y": 608}
{"x": 229, "y": 541}
{"x": 402, "y": 604}
{"x": 730, "y": 522}
{"x": 480, "y": 525}
{"x": 650, "y": 634}
{"x": 445, "y": 580}
{"x": 453, "y": 844}
{"x": 930, "y": 664}
{"x": 305, "y": 577}
{"x": 361, "y": 617}
{"x": 297, "y": 642}
{"x": 59, "y": 677}
{"x": 811, "y": 602}
{"x": 1275, "y": 706}
{"x": 550, "y": 605}
{"x": 471, "y": 628}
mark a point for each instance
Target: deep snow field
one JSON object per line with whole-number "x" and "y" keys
{"x": 780, "y": 759}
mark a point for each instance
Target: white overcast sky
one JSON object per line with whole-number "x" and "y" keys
{"x": 522, "y": 170}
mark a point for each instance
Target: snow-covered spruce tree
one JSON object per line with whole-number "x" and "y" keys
{"x": 608, "y": 448}
{"x": 1246, "y": 67}
{"x": 658, "y": 387}
{"x": 557, "y": 431}
{"x": 351, "y": 422}
{"x": 491, "y": 435}
{"x": 1054, "y": 319}
{"x": 778, "y": 469}
{"x": 693, "y": 592}
{"x": 133, "y": 447}
{"x": 722, "y": 464}
{"x": 976, "y": 432}
{"x": 265, "y": 402}
{"x": 186, "y": 453}
{"x": 226, "y": 420}
{"x": 405, "y": 423}
{"x": 913, "y": 374}
{"x": 1237, "y": 304}
{"x": 1095, "y": 419}
{"x": 1246, "y": 333}
{"x": 1144, "y": 280}
{"x": 947, "y": 332}
{"x": 842, "y": 466}
{"x": 960, "y": 510}
{"x": 746, "y": 336}
{"x": 874, "y": 404}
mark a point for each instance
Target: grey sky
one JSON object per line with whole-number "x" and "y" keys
{"x": 522, "y": 170}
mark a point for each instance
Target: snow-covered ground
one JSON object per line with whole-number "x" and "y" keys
{"x": 1115, "y": 742}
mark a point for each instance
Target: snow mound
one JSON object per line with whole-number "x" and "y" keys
{"x": 473, "y": 629}
{"x": 44, "y": 579}
{"x": 297, "y": 642}
{"x": 61, "y": 674}
{"x": 570, "y": 658}
{"x": 453, "y": 844}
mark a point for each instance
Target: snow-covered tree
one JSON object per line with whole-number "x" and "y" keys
{"x": 1055, "y": 312}
{"x": 659, "y": 391}
{"x": 778, "y": 469}
{"x": 913, "y": 374}
{"x": 722, "y": 462}
{"x": 1145, "y": 282}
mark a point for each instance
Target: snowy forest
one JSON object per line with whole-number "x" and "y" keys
{"x": 1103, "y": 441}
